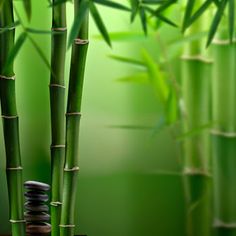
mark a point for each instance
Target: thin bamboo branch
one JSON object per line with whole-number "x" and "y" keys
{"x": 73, "y": 116}
{"x": 11, "y": 123}
{"x": 57, "y": 104}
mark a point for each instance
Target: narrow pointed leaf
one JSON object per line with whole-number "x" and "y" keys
{"x": 188, "y": 13}
{"x": 112, "y": 4}
{"x": 15, "y": 50}
{"x": 127, "y": 60}
{"x": 231, "y": 19}
{"x": 28, "y": 8}
{"x": 78, "y": 20}
{"x": 143, "y": 19}
{"x": 216, "y": 21}
{"x": 140, "y": 78}
{"x": 98, "y": 21}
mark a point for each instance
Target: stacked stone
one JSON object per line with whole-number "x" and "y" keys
{"x": 36, "y": 214}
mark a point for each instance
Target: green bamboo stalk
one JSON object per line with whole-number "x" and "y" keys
{"x": 224, "y": 136}
{"x": 73, "y": 115}
{"x": 11, "y": 123}
{"x": 196, "y": 74}
{"x": 57, "y": 104}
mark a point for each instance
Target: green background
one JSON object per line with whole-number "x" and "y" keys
{"x": 129, "y": 183}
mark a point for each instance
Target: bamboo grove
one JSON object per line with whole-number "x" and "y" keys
{"x": 208, "y": 156}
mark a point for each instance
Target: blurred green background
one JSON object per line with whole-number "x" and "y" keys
{"x": 124, "y": 187}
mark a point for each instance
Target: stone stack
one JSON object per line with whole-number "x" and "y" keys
{"x": 36, "y": 214}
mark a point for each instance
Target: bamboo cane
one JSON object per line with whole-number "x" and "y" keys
{"x": 57, "y": 104}
{"x": 11, "y": 123}
{"x": 224, "y": 136}
{"x": 73, "y": 115}
{"x": 196, "y": 73}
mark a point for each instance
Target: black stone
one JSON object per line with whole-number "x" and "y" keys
{"x": 34, "y": 185}
{"x": 36, "y": 196}
{"x": 36, "y": 217}
{"x": 40, "y": 228}
{"x": 35, "y": 207}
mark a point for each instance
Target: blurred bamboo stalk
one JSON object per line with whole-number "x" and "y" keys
{"x": 57, "y": 105}
{"x": 196, "y": 75}
{"x": 224, "y": 135}
{"x": 73, "y": 115}
{"x": 11, "y": 121}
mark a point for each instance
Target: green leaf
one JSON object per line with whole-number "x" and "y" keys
{"x": 78, "y": 20}
{"x": 40, "y": 53}
{"x": 188, "y": 13}
{"x": 194, "y": 131}
{"x": 16, "y": 48}
{"x": 112, "y": 5}
{"x": 135, "y": 78}
{"x": 156, "y": 78}
{"x": 172, "y": 107}
{"x": 231, "y": 19}
{"x": 28, "y": 8}
{"x": 216, "y": 21}
{"x": 100, "y": 25}
{"x": 134, "y": 9}
{"x": 143, "y": 19}
{"x": 204, "y": 7}
{"x": 127, "y": 60}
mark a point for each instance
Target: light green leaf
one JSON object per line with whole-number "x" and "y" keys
{"x": 127, "y": 60}
{"x": 135, "y": 78}
{"x": 28, "y": 8}
{"x": 112, "y": 4}
{"x": 99, "y": 22}
{"x": 156, "y": 78}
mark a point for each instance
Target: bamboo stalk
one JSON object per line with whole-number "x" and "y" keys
{"x": 73, "y": 115}
{"x": 224, "y": 137}
{"x": 57, "y": 104}
{"x": 196, "y": 73}
{"x": 11, "y": 123}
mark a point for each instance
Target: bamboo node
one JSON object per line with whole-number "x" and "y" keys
{"x": 195, "y": 171}
{"x": 7, "y": 77}
{"x": 17, "y": 221}
{"x": 57, "y": 85}
{"x": 9, "y": 117}
{"x": 223, "y": 134}
{"x": 55, "y": 204}
{"x": 59, "y": 29}
{"x": 220, "y": 224}
{"x": 76, "y": 168}
{"x": 196, "y": 58}
{"x": 81, "y": 41}
{"x": 67, "y": 226}
{"x": 15, "y": 168}
{"x": 73, "y": 114}
{"x": 58, "y": 146}
{"x": 7, "y": 28}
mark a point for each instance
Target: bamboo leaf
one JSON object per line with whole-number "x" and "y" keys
{"x": 164, "y": 6}
{"x": 15, "y": 50}
{"x": 28, "y": 8}
{"x": 135, "y": 78}
{"x": 156, "y": 78}
{"x": 198, "y": 13}
{"x": 127, "y": 60}
{"x": 153, "y": 1}
{"x": 40, "y": 53}
{"x": 194, "y": 132}
{"x": 100, "y": 25}
{"x": 78, "y": 20}
{"x": 231, "y": 19}
{"x": 112, "y": 5}
{"x": 134, "y": 9}
{"x": 216, "y": 21}
{"x": 172, "y": 107}
{"x": 188, "y": 14}
{"x": 143, "y": 19}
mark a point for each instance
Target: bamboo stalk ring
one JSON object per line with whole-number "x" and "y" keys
{"x": 58, "y": 146}
{"x": 67, "y": 226}
{"x": 3, "y": 77}
{"x": 73, "y": 114}
{"x": 15, "y": 168}
{"x": 223, "y": 134}
{"x": 79, "y": 41}
{"x": 76, "y": 168}
{"x": 57, "y": 85}
{"x": 17, "y": 221}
